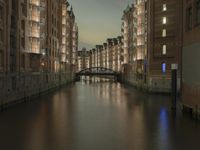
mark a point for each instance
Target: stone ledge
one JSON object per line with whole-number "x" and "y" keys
{"x": 194, "y": 112}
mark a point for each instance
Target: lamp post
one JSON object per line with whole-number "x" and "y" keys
{"x": 174, "y": 68}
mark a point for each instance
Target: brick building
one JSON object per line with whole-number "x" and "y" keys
{"x": 83, "y": 59}
{"x": 156, "y": 37}
{"x": 190, "y": 54}
{"x": 31, "y": 57}
{"x": 164, "y": 42}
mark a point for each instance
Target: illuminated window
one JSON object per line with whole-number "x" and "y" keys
{"x": 164, "y": 33}
{"x": 164, "y": 20}
{"x": 64, "y": 20}
{"x": 164, "y": 67}
{"x": 164, "y": 50}
{"x": 164, "y": 7}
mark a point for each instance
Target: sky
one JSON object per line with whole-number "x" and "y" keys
{"x": 98, "y": 20}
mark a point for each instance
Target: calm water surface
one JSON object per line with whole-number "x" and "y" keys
{"x": 97, "y": 116}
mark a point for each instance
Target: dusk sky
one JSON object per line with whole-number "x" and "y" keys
{"x": 98, "y": 20}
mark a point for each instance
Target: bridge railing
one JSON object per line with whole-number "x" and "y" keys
{"x": 97, "y": 70}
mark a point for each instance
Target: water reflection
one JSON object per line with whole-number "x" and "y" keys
{"x": 97, "y": 115}
{"x": 97, "y": 79}
{"x": 163, "y": 130}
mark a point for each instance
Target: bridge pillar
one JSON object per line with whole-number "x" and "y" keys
{"x": 119, "y": 77}
{"x": 77, "y": 78}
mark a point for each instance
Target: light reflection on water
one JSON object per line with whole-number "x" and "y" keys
{"x": 163, "y": 130}
{"x": 97, "y": 115}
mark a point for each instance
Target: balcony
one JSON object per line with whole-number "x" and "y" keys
{"x": 37, "y": 4}
{"x": 42, "y": 21}
{"x": 42, "y": 4}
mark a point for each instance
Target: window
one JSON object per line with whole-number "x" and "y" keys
{"x": 23, "y": 61}
{"x": 164, "y": 33}
{"x": 164, "y": 50}
{"x": 164, "y": 7}
{"x": 23, "y": 24}
{"x": 164, "y": 20}
{"x": 24, "y": 8}
{"x": 23, "y": 42}
{"x": 189, "y": 18}
{"x": 1, "y": 58}
{"x": 14, "y": 83}
{"x": 164, "y": 67}
{"x": 1, "y": 13}
{"x": 1, "y": 23}
{"x": 198, "y": 11}
{"x": 1, "y": 35}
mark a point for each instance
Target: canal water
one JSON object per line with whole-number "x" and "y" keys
{"x": 97, "y": 115}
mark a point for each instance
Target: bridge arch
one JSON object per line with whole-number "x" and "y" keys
{"x": 98, "y": 71}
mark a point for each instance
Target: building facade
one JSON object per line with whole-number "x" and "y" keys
{"x": 119, "y": 54}
{"x": 69, "y": 41}
{"x": 108, "y": 55}
{"x": 164, "y": 42}
{"x": 72, "y": 41}
{"x": 31, "y": 58}
{"x": 134, "y": 32}
{"x": 156, "y": 37}
{"x": 140, "y": 55}
{"x": 127, "y": 32}
{"x": 190, "y": 54}
{"x": 84, "y": 58}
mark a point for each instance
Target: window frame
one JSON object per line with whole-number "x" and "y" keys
{"x": 164, "y": 7}
{"x": 164, "y": 67}
{"x": 1, "y": 35}
{"x": 188, "y": 24}
{"x": 164, "y": 33}
{"x": 164, "y": 20}
{"x": 1, "y": 12}
{"x": 1, "y": 59}
{"x": 1, "y": 23}
{"x": 164, "y": 49}
{"x": 197, "y": 12}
